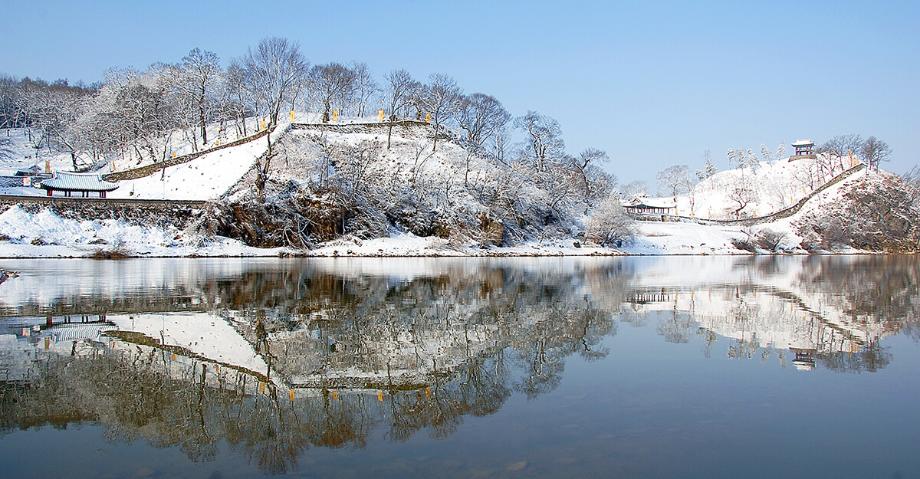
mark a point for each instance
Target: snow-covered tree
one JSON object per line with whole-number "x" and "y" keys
{"x": 198, "y": 77}
{"x": 708, "y": 169}
{"x": 742, "y": 193}
{"x": 397, "y": 95}
{"x": 674, "y": 180}
{"x": 275, "y": 70}
{"x": 543, "y": 139}
{"x": 236, "y": 98}
{"x": 609, "y": 225}
{"x": 441, "y": 98}
{"x": 332, "y": 84}
{"x": 743, "y": 158}
{"x": 365, "y": 88}
{"x": 634, "y": 189}
{"x": 480, "y": 117}
{"x": 594, "y": 182}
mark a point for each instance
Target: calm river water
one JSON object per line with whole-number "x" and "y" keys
{"x": 702, "y": 367}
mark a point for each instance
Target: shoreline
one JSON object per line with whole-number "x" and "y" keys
{"x": 611, "y": 254}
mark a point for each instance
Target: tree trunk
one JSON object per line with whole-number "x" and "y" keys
{"x": 389, "y": 133}
{"x": 202, "y": 119}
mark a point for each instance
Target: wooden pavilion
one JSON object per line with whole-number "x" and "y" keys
{"x": 82, "y": 183}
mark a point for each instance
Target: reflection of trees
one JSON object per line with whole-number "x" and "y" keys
{"x": 835, "y": 311}
{"x": 438, "y": 348}
{"x": 877, "y": 288}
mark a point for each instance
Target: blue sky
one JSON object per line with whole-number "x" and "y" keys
{"x": 652, "y": 83}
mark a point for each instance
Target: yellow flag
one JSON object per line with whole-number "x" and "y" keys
{"x": 335, "y": 116}
{"x": 380, "y": 396}
{"x": 335, "y": 395}
{"x": 427, "y": 117}
{"x": 292, "y": 115}
{"x": 380, "y": 114}
{"x": 174, "y": 154}
{"x": 261, "y": 387}
{"x": 291, "y": 394}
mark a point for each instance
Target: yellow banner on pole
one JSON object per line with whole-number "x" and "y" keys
{"x": 427, "y": 117}
{"x": 380, "y": 115}
{"x": 335, "y": 116}
{"x": 292, "y": 115}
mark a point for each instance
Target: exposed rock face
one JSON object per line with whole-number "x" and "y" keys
{"x": 879, "y": 215}
{"x": 296, "y": 220}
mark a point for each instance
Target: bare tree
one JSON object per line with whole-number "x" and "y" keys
{"x": 674, "y": 179}
{"x": 634, "y": 189}
{"x": 199, "y": 73}
{"x": 595, "y": 183}
{"x": 440, "y": 98}
{"x": 742, "y": 194}
{"x": 331, "y": 83}
{"x": 840, "y": 147}
{"x": 274, "y": 70}
{"x": 480, "y": 116}
{"x": 875, "y": 151}
{"x": 398, "y": 94}
{"x": 237, "y": 99}
{"x": 365, "y": 88}
{"x": 544, "y": 139}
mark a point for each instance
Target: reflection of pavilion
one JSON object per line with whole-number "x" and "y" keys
{"x": 767, "y": 318}
{"x": 651, "y": 296}
{"x": 804, "y": 359}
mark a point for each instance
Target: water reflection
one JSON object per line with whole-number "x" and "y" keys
{"x": 277, "y": 356}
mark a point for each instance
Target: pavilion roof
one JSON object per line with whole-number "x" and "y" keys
{"x": 803, "y": 142}
{"x": 78, "y": 182}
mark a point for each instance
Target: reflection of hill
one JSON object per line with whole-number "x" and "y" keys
{"x": 835, "y": 311}
{"x": 285, "y": 355}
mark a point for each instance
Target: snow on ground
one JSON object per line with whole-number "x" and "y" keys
{"x": 25, "y": 154}
{"x": 776, "y": 185}
{"x": 205, "y": 334}
{"x": 684, "y": 238}
{"x": 408, "y": 244}
{"x": 204, "y": 178}
{"x": 47, "y": 235}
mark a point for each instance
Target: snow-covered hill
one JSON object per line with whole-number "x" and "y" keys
{"x": 410, "y": 199}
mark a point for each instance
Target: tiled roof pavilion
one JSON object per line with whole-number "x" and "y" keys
{"x": 79, "y": 182}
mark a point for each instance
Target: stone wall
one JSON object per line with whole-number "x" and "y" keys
{"x": 148, "y": 170}
{"x": 142, "y": 212}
